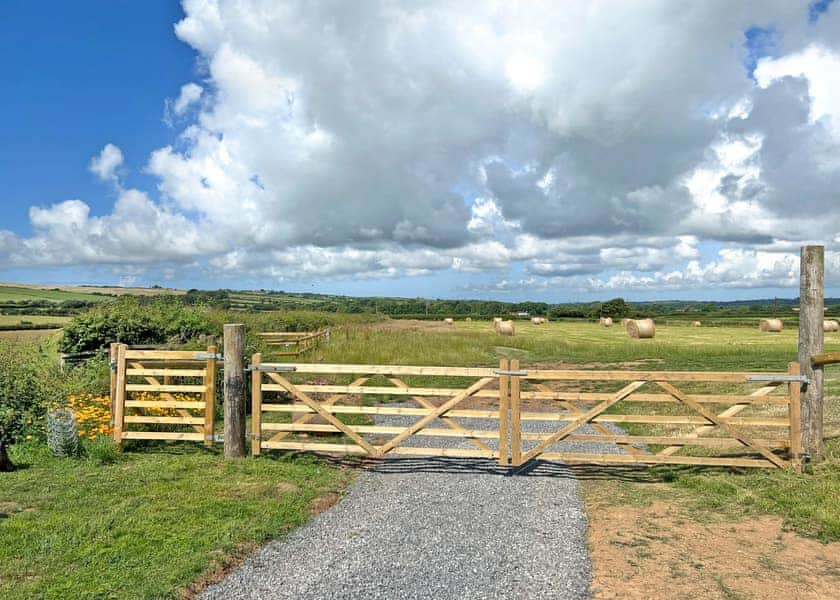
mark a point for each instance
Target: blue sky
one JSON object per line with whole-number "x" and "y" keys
{"x": 77, "y": 76}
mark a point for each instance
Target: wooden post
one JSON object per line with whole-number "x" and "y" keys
{"x": 234, "y": 390}
{"x": 256, "y": 406}
{"x": 210, "y": 397}
{"x": 811, "y": 337}
{"x": 119, "y": 401}
{"x": 515, "y": 429}
{"x": 504, "y": 413}
{"x": 795, "y": 416}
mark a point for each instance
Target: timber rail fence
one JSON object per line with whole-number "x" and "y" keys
{"x": 295, "y": 343}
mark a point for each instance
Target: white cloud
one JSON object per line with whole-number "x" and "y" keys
{"x": 382, "y": 139}
{"x": 106, "y": 164}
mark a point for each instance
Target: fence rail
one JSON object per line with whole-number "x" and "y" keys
{"x": 295, "y": 343}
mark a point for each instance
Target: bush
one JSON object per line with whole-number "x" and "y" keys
{"x": 24, "y": 395}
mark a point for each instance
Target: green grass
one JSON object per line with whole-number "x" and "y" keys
{"x": 25, "y": 321}
{"x": 147, "y": 525}
{"x": 30, "y": 294}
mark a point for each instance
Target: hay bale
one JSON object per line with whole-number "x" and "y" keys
{"x": 641, "y": 328}
{"x": 624, "y": 322}
{"x": 537, "y": 320}
{"x": 448, "y": 321}
{"x": 696, "y": 324}
{"x": 505, "y": 328}
{"x": 605, "y": 321}
{"x": 497, "y": 319}
{"x": 831, "y": 326}
{"x": 770, "y": 325}
{"x": 468, "y": 319}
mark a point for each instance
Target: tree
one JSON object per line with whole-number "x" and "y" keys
{"x": 22, "y": 396}
{"x": 616, "y": 307}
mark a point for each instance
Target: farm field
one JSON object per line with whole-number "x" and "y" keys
{"x": 60, "y": 293}
{"x": 24, "y": 321}
{"x": 175, "y": 513}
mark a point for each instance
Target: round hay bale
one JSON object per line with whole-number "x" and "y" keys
{"x": 497, "y": 319}
{"x": 641, "y": 328}
{"x": 770, "y": 325}
{"x": 468, "y": 319}
{"x": 696, "y": 324}
{"x": 605, "y": 321}
{"x": 624, "y": 321}
{"x": 505, "y": 328}
{"x": 537, "y": 320}
{"x": 831, "y": 326}
{"x": 448, "y": 321}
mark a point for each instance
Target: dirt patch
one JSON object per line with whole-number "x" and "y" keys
{"x": 642, "y": 551}
{"x": 324, "y": 502}
{"x": 224, "y": 563}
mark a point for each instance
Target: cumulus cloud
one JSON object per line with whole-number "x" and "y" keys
{"x": 382, "y": 139}
{"x": 106, "y": 164}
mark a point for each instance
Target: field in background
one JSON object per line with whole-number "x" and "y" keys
{"x": 59, "y": 293}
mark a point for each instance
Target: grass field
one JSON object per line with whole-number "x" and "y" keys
{"x": 60, "y": 293}
{"x": 26, "y": 320}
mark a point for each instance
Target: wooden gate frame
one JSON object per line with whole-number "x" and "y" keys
{"x": 168, "y": 364}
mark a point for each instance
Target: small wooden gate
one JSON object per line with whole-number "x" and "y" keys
{"x": 164, "y": 395}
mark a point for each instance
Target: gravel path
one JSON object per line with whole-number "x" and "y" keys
{"x": 434, "y": 528}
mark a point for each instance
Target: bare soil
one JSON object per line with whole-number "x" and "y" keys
{"x": 664, "y": 550}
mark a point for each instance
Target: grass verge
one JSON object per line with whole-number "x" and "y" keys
{"x": 147, "y": 525}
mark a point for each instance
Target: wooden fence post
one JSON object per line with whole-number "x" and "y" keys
{"x": 515, "y": 429}
{"x": 210, "y": 397}
{"x": 234, "y": 390}
{"x": 811, "y": 338}
{"x": 119, "y": 395}
{"x": 504, "y": 413}
{"x": 256, "y": 405}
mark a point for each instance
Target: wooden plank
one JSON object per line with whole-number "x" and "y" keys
{"x": 490, "y": 434}
{"x": 172, "y": 389}
{"x": 393, "y": 370}
{"x": 164, "y": 420}
{"x": 164, "y": 372}
{"x": 324, "y": 414}
{"x": 450, "y": 422}
{"x": 794, "y": 414}
{"x": 654, "y": 459}
{"x": 210, "y": 398}
{"x": 825, "y": 358}
{"x": 378, "y": 390}
{"x": 163, "y": 404}
{"x": 504, "y": 413}
{"x": 661, "y": 440}
{"x": 120, "y": 403}
{"x": 652, "y": 398}
{"x": 162, "y": 355}
{"x": 515, "y": 416}
{"x": 256, "y": 406}
{"x": 435, "y": 414}
{"x": 112, "y": 371}
{"x": 355, "y": 449}
{"x": 162, "y": 435}
{"x": 593, "y": 375}
{"x": 582, "y": 419}
{"x": 713, "y": 418}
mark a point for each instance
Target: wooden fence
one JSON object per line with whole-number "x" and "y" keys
{"x": 710, "y": 419}
{"x": 295, "y": 343}
{"x": 163, "y": 395}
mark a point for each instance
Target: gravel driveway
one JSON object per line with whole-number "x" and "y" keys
{"x": 434, "y": 528}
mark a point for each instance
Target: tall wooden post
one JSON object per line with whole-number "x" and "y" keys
{"x": 112, "y": 363}
{"x": 811, "y": 337}
{"x": 234, "y": 390}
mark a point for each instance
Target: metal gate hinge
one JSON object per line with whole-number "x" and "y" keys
{"x": 208, "y": 356}
{"x": 515, "y": 373}
{"x": 780, "y": 378}
{"x": 215, "y": 437}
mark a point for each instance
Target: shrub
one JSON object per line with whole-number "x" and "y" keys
{"x": 24, "y": 393}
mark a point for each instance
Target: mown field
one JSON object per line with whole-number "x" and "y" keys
{"x": 147, "y": 522}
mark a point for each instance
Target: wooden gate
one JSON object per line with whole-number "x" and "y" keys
{"x": 713, "y": 418}
{"x": 164, "y": 395}
{"x": 710, "y": 419}
{"x": 287, "y": 398}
